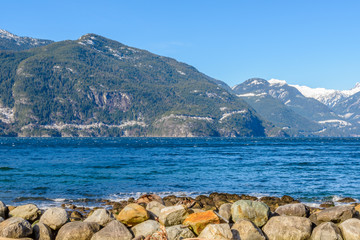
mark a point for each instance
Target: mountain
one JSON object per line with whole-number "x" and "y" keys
{"x": 95, "y": 86}
{"x": 9, "y": 41}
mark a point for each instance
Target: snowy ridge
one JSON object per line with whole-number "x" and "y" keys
{"x": 21, "y": 40}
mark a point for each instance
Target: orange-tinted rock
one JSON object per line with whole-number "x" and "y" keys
{"x": 133, "y": 214}
{"x": 198, "y": 221}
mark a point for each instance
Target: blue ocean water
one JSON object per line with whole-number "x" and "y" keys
{"x": 49, "y": 171}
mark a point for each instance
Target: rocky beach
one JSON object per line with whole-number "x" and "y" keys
{"x": 215, "y": 216}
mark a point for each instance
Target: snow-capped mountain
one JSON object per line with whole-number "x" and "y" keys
{"x": 9, "y": 41}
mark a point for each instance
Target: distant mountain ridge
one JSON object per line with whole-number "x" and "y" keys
{"x": 9, "y": 41}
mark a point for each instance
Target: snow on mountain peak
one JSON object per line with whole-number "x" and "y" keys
{"x": 7, "y": 35}
{"x": 277, "y": 82}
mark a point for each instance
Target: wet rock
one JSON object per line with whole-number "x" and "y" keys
{"x": 295, "y": 209}
{"x": 148, "y": 198}
{"x": 154, "y": 207}
{"x": 179, "y": 232}
{"x": 77, "y": 231}
{"x": 100, "y": 216}
{"x": 170, "y": 200}
{"x": 246, "y": 230}
{"x": 42, "y": 232}
{"x": 257, "y": 212}
{"x": 287, "y": 199}
{"x": 28, "y": 212}
{"x": 175, "y": 215}
{"x": 335, "y": 214}
{"x": 350, "y": 229}
{"x": 133, "y": 214}
{"x": 347, "y": 200}
{"x": 198, "y": 221}
{"x": 3, "y": 210}
{"x": 54, "y": 218}
{"x": 114, "y": 230}
{"x": 15, "y": 227}
{"x": 206, "y": 202}
{"x": 328, "y": 204}
{"x": 248, "y": 197}
{"x": 76, "y": 216}
{"x": 216, "y": 231}
{"x": 272, "y": 202}
{"x": 328, "y": 231}
{"x": 225, "y": 211}
{"x": 145, "y": 228}
{"x": 288, "y": 228}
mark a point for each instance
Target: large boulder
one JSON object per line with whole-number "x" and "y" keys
{"x": 295, "y": 209}
{"x": 179, "y": 232}
{"x": 28, "y": 212}
{"x": 225, "y": 211}
{"x": 288, "y": 228}
{"x": 198, "y": 221}
{"x": 15, "y": 227}
{"x": 114, "y": 230}
{"x": 42, "y": 232}
{"x": 145, "y": 228}
{"x": 216, "y": 231}
{"x": 350, "y": 229}
{"x": 133, "y": 214}
{"x": 154, "y": 207}
{"x": 257, "y": 212}
{"x": 246, "y": 230}
{"x": 334, "y": 214}
{"x": 77, "y": 231}
{"x": 54, "y": 218}
{"x": 100, "y": 216}
{"x": 328, "y": 231}
{"x": 3, "y": 210}
{"x": 174, "y": 215}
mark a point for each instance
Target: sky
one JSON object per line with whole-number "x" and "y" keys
{"x": 313, "y": 43}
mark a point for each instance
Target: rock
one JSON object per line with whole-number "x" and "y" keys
{"x": 328, "y": 231}
{"x": 288, "y": 228}
{"x": 272, "y": 202}
{"x": 170, "y": 216}
{"x": 257, "y": 212}
{"x": 76, "y": 216}
{"x": 347, "y": 200}
{"x": 150, "y": 197}
{"x": 3, "y": 210}
{"x": 295, "y": 209}
{"x": 350, "y": 229}
{"x": 1, "y": 219}
{"x": 54, "y": 218}
{"x": 133, "y": 214}
{"x": 28, "y": 212}
{"x": 100, "y": 216}
{"x": 334, "y": 214}
{"x": 225, "y": 211}
{"x": 179, "y": 232}
{"x": 216, "y": 231}
{"x": 15, "y": 227}
{"x": 198, "y": 221}
{"x": 77, "y": 231}
{"x": 246, "y": 230}
{"x": 154, "y": 207}
{"x": 145, "y": 228}
{"x": 328, "y": 204}
{"x": 287, "y": 199}
{"x": 113, "y": 231}
{"x": 42, "y": 232}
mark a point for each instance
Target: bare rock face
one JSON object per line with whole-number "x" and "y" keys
{"x": 246, "y": 230}
{"x": 77, "y": 231}
{"x": 54, "y": 218}
{"x": 28, "y": 212}
{"x": 350, "y": 229}
{"x": 15, "y": 227}
{"x": 334, "y": 214}
{"x": 145, "y": 228}
{"x": 170, "y": 216}
{"x": 257, "y": 212}
{"x": 179, "y": 232}
{"x": 133, "y": 214}
{"x": 198, "y": 221}
{"x": 225, "y": 211}
{"x": 328, "y": 231}
{"x": 3, "y": 210}
{"x": 296, "y": 209}
{"x": 42, "y": 232}
{"x": 216, "y": 231}
{"x": 154, "y": 207}
{"x": 100, "y": 216}
{"x": 288, "y": 228}
{"x": 113, "y": 231}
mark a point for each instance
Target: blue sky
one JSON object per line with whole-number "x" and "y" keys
{"x": 314, "y": 43}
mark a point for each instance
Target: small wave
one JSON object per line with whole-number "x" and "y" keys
{"x": 25, "y": 199}
{"x": 6, "y": 168}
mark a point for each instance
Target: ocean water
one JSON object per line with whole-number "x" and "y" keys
{"x": 51, "y": 171}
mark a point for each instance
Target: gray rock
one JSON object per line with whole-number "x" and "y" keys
{"x": 28, "y": 212}
{"x": 54, "y": 218}
{"x": 288, "y": 228}
{"x": 77, "y": 231}
{"x": 1, "y": 219}
{"x": 3, "y": 210}
{"x": 328, "y": 231}
{"x": 179, "y": 232}
{"x": 334, "y": 214}
{"x": 15, "y": 227}
{"x": 154, "y": 207}
{"x": 295, "y": 209}
{"x": 145, "y": 228}
{"x": 217, "y": 231}
{"x": 225, "y": 211}
{"x": 257, "y": 212}
{"x": 42, "y": 232}
{"x": 100, "y": 216}
{"x": 114, "y": 230}
{"x": 246, "y": 230}
{"x": 350, "y": 229}
{"x": 174, "y": 215}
